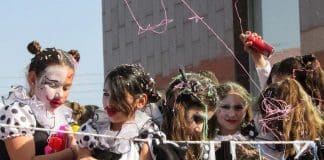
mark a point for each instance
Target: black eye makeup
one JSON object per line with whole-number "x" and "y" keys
{"x": 198, "y": 118}
{"x": 51, "y": 83}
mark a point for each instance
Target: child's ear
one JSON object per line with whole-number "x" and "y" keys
{"x": 141, "y": 101}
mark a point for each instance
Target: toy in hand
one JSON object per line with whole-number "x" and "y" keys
{"x": 56, "y": 142}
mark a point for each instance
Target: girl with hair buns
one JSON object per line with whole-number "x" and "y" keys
{"x": 127, "y": 90}
{"x": 50, "y": 75}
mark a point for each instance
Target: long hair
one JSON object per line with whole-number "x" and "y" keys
{"x": 301, "y": 120}
{"x": 132, "y": 79}
{"x": 186, "y": 91}
{"x": 307, "y": 71}
{"x": 311, "y": 77}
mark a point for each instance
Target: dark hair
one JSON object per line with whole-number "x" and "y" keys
{"x": 50, "y": 56}
{"x": 130, "y": 78}
{"x": 311, "y": 77}
{"x": 307, "y": 71}
{"x": 274, "y": 70}
{"x": 185, "y": 91}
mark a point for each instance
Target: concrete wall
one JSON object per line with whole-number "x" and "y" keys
{"x": 184, "y": 43}
{"x": 312, "y": 27}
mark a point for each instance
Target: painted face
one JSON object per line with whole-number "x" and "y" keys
{"x": 230, "y": 113}
{"x": 53, "y": 87}
{"x": 111, "y": 107}
{"x": 195, "y": 117}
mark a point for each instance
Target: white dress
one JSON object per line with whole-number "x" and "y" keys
{"x": 22, "y": 111}
{"x": 125, "y": 147}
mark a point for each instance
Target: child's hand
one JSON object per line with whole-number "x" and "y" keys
{"x": 70, "y": 138}
{"x": 257, "y": 57}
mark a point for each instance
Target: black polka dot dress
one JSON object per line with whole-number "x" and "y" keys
{"x": 124, "y": 149}
{"x": 16, "y": 114}
{"x": 20, "y": 111}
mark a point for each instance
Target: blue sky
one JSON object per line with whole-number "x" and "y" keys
{"x": 72, "y": 24}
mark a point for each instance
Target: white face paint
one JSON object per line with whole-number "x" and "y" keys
{"x": 50, "y": 87}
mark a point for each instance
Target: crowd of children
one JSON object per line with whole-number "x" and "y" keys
{"x": 194, "y": 119}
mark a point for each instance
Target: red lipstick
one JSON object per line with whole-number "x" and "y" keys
{"x": 56, "y": 103}
{"x": 232, "y": 121}
{"x": 111, "y": 111}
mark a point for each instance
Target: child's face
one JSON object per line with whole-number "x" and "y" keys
{"x": 53, "y": 87}
{"x": 230, "y": 113}
{"x": 195, "y": 118}
{"x": 111, "y": 107}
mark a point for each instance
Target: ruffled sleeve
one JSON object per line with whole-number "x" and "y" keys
{"x": 92, "y": 126}
{"x": 16, "y": 114}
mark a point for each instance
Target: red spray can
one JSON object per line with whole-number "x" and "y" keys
{"x": 259, "y": 45}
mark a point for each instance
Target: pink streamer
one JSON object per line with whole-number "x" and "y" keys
{"x": 275, "y": 110}
{"x": 154, "y": 28}
{"x": 197, "y": 18}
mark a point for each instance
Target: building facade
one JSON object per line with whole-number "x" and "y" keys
{"x": 196, "y": 45}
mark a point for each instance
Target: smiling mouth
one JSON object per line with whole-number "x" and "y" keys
{"x": 232, "y": 121}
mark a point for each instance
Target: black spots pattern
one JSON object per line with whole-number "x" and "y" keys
{"x": 3, "y": 117}
{"x": 84, "y": 128}
{"x": 16, "y": 114}
{"x": 8, "y": 121}
{"x": 21, "y": 104}
{"x": 3, "y": 130}
{"x": 86, "y": 138}
{"x": 14, "y": 111}
{"x": 91, "y": 145}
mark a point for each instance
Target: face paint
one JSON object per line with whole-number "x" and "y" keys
{"x": 53, "y": 86}
{"x": 230, "y": 113}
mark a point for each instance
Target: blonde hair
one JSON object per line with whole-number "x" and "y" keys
{"x": 303, "y": 121}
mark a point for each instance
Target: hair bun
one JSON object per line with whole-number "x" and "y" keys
{"x": 75, "y": 54}
{"x": 34, "y": 47}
